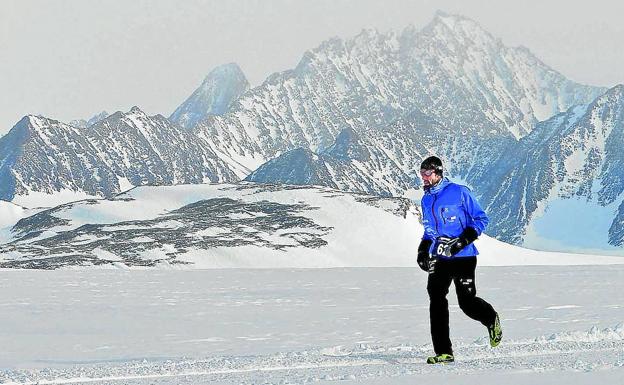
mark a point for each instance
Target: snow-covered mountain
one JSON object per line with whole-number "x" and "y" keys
{"x": 219, "y": 90}
{"x": 385, "y": 161}
{"x": 300, "y": 166}
{"x": 450, "y": 89}
{"x": 407, "y": 94}
{"x": 43, "y": 161}
{"x": 569, "y": 170}
{"x": 81, "y": 123}
{"x": 472, "y": 81}
{"x": 566, "y": 172}
{"x": 452, "y": 71}
{"x": 351, "y": 163}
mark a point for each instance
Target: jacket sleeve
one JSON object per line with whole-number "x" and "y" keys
{"x": 474, "y": 213}
{"x": 429, "y": 234}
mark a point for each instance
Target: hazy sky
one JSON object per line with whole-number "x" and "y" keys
{"x": 69, "y": 59}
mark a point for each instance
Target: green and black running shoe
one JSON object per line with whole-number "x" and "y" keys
{"x": 496, "y": 332}
{"x": 441, "y": 359}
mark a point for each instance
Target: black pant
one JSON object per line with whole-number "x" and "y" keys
{"x": 460, "y": 270}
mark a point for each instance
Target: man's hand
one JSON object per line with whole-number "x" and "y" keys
{"x": 448, "y": 247}
{"x": 423, "y": 254}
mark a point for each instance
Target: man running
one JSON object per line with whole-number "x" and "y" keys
{"x": 453, "y": 220}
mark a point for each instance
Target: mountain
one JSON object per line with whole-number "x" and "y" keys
{"x": 41, "y": 159}
{"x": 219, "y": 90}
{"x": 348, "y": 146}
{"x": 452, "y": 71}
{"x": 450, "y": 89}
{"x": 384, "y": 161}
{"x": 298, "y": 167}
{"x": 81, "y": 123}
{"x": 349, "y": 164}
{"x": 559, "y": 188}
{"x": 388, "y": 88}
{"x": 569, "y": 170}
{"x": 474, "y": 82}
{"x": 97, "y": 118}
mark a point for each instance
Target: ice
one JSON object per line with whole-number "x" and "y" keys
{"x": 557, "y": 228}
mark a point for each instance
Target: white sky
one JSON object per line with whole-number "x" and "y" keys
{"x": 70, "y": 59}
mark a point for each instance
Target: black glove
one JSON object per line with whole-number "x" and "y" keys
{"x": 449, "y": 247}
{"x": 423, "y": 254}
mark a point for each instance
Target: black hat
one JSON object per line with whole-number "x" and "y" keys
{"x": 432, "y": 163}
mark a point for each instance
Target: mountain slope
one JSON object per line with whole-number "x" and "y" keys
{"x": 216, "y": 225}
{"x": 219, "y": 90}
{"x": 574, "y": 159}
{"x": 351, "y": 163}
{"x": 480, "y": 83}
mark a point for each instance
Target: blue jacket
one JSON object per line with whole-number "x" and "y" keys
{"x": 448, "y": 208}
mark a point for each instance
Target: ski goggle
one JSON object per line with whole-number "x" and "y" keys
{"x": 426, "y": 173}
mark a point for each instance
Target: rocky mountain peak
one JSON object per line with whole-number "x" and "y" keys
{"x": 299, "y": 166}
{"x": 97, "y": 118}
{"x": 82, "y": 123}
{"x": 219, "y": 90}
{"x": 136, "y": 110}
{"x": 367, "y": 35}
{"x": 36, "y": 121}
{"x": 458, "y": 29}
{"x": 17, "y": 133}
{"x": 229, "y": 70}
{"x": 615, "y": 93}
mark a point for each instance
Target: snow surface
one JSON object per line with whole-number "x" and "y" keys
{"x": 42, "y": 199}
{"x": 10, "y": 214}
{"x": 562, "y": 325}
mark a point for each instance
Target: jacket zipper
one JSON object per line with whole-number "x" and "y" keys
{"x": 435, "y": 218}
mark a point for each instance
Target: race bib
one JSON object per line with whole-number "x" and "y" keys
{"x": 441, "y": 246}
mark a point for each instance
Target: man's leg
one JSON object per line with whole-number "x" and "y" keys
{"x": 437, "y": 287}
{"x": 464, "y": 279}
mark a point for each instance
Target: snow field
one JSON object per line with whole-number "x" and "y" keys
{"x": 297, "y": 326}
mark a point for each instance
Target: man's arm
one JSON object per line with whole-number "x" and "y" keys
{"x": 427, "y": 238}
{"x": 477, "y": 219}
